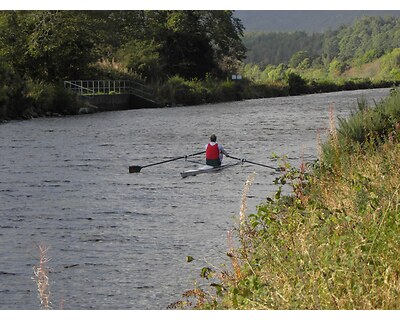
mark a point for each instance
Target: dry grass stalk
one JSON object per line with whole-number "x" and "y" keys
{"x": 233, "y": 257}
{"x": 107, "y": 64}
{"x": 41, "y": 273}
{"x": 319, "y": 146}
{"x": 300, "y": 185}
{"x": 243, "y": 205}
{"x": 332, "y": 126}
{"x": 243, "y": 230}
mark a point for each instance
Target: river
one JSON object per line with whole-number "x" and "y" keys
{"x": 118, "y": 240}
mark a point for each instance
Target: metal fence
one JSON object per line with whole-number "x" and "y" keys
{"x": 95, "y": 87}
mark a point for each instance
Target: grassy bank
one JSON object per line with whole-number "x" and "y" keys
{"x": 178, "y": 91}
{"x": 299, "y": 78}
{"x": 31, "y": 99}
{"x": 25, "y": 99}
{"x": 334, "y": 242}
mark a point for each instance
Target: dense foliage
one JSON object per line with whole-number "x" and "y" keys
{"x": 186, "y": 56}
{"x": 306, "y": 20}
{"x": 361, "y": 56}
{"x": 51, "y": 45}
{"x": 364, "y": 41}
{"x": 45, "y": 47}
{"x": 278, "y": 47}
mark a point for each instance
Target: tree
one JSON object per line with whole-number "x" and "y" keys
{"x": 14, "y": 40}
{"x": 186, "y": 49}
{"x": 49, "y": 45}
{"x": 56, "y": 45}
{"x": 143, "y": 57}
{"x": 195, "y": 43}
{"x": 330, "y": 46}
{"x": 297, "y": 85}
{"x": 60, "y": 44}
{"x": 226, "y": 34}
{"x": 298, "y": 58}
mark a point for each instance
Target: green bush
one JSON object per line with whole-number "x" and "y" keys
{"x": 336, "y": 67}
{"x": 51, "y": 98}
{"x": 180, "y": 91}
{"x": 226, "y": 91}
{"x": 41, "y": 95}
{"x": 391, "y": 60}
{"x": 13, "y": 101}
{"x": 366, "y": 126}
{"x": 297, "y": 85}
{"x": 177, "y": 90}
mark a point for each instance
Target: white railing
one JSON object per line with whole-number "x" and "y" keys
{"x": 95, "y": 87}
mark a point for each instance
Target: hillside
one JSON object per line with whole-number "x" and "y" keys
{"x": 307, "y": 20}
{"x": 363, "y": 41}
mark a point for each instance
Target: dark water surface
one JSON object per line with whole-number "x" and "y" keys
{"x": 120, "y": 240}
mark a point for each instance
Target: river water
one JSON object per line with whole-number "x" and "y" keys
{"x": 118, "y": 240}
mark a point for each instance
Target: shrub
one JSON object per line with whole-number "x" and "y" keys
{"x": 12, "y": 90}
{"x": 297, "y": 85}
{"x": 366, "y": 126}
{"x": 227, "y": 91}
{"x": 177, "y": 90}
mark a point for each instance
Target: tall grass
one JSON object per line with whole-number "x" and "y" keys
{"x": 41, "y": 272}
{"x": 334, "y": 241}
{"x": 339, "y": 250}
{"x": 367, "y": 125}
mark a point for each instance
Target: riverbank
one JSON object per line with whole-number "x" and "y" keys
{"x": 333, "y": 243}
{"x": 178, "y": 91}
{"x": 52, "y": 100}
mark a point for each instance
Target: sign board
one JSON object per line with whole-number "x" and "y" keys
{"x": 236, "y": 77}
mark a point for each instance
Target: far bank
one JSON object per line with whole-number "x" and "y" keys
{"x": 38, "y": 99}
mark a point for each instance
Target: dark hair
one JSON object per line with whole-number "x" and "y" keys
{"x": 213, "y": 138}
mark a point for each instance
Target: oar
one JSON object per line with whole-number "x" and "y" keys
{"x": 194, "y": 161}
{"x": 258, "y": 164}
{"x": 133, "y": 169}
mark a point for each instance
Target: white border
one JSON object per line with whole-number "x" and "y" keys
{"x": 198, "y": 5}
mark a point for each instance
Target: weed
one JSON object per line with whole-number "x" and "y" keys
{"x": 41, "y": 273}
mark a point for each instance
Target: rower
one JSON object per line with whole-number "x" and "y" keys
{"x": 214, "y": 152}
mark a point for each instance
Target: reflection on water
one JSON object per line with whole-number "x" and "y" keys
{"x": 119, "y": 240}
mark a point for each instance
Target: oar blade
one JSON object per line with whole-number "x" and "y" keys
{"x": 134, "y": 169}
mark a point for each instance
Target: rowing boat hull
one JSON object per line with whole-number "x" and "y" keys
{"x": 206, "y": 169}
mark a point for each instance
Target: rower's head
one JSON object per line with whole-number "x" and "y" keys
{"x": 213, "y": 138}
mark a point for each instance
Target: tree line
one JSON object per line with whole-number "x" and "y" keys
{"x": 361, "y": 56}
{"x": 51, "y": 45}
{"x": 367, "y": 39}
{"x": 42, "y": 48}
{"x": 186, "y": 56}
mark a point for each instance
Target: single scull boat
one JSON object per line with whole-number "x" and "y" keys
{"x": 207, "y": 169}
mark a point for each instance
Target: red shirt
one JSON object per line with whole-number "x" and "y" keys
{"x": 212, "y": 152}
